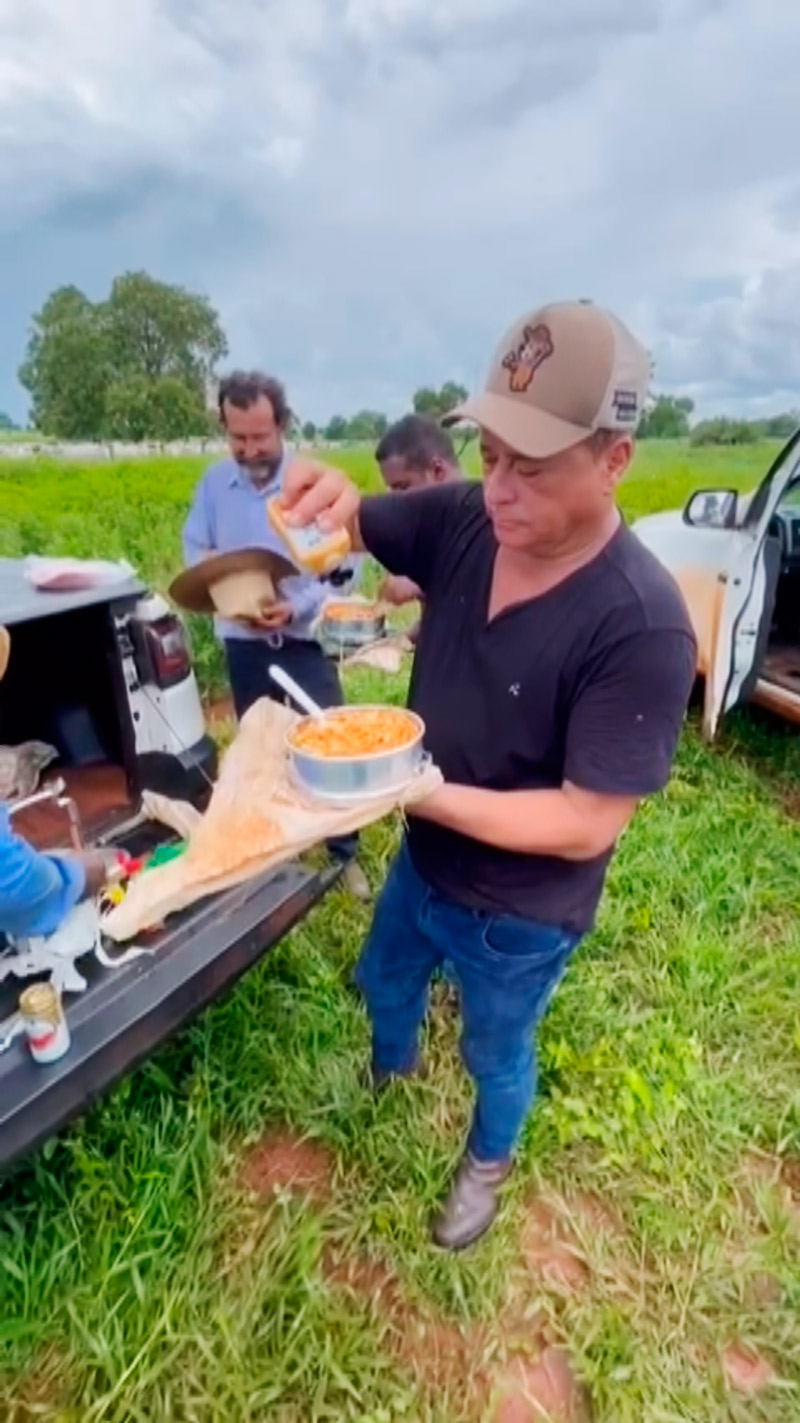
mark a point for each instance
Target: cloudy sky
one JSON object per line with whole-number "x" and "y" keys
{"x": 370, "y": 190}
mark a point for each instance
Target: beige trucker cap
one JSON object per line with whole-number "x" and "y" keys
{"x": 558, "y": 375}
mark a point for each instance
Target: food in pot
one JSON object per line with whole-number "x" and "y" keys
{"x": 355, "y": 732}
{"x": 350, "y": 612}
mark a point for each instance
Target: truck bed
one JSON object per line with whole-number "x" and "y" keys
{"x": 125, "y": 1014}
{"x": 101, "y": 795}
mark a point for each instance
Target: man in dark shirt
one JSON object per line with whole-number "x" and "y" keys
{"x": 415, "y": 453}
{"x": 554, "y": 666}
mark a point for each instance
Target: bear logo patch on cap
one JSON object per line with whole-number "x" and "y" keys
{"x": 523, "y": 362}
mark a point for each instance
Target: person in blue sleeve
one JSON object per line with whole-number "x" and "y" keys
{"x": 37, "y": 891}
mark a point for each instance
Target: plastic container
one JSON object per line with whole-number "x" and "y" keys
{"x": 317, "y": 553}
{"x": 352, "y": 622}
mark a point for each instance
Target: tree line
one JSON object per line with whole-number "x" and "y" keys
{"x": 141, "y": 365}
{"x": 668, "y": 417}
{"x": 372, "y": 424}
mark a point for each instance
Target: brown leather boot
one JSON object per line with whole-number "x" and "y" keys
{"x": 472, "y": 1204}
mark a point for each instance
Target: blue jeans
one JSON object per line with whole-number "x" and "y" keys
{"x": 505, "y": 968}
{"x": 248, "y": 670}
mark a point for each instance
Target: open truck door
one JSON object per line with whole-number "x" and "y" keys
{"x": 726, "y": 560}
{"x": 743, "y": 614}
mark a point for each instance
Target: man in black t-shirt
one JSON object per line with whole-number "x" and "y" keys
{"x": 553, "y": 669}
{"x": 415, "y": 453}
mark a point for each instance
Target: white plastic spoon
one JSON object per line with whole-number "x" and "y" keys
{"x": 302, "y": 699}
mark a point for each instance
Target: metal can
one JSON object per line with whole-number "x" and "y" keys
{"x": 44, "y": 1021}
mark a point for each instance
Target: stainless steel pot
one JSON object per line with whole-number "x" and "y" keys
{"x": 353, "y": 632}
{"x": 342, "y": 779}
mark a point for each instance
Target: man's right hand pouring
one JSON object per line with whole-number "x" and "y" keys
{"x": 319, "y": 494}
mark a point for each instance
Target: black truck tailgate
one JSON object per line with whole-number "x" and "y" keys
{"x": 126, "y": 1013}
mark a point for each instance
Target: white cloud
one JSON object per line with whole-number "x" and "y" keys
{"x": 371, "y": 189}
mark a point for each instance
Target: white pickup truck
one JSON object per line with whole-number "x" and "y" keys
{"x": 105, "y": 677}
{"x": 737, "y": 560}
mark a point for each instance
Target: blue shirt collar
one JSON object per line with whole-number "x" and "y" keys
{"x": 238, "y": 476}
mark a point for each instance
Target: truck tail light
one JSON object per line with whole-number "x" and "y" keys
{"x": 166, "y": 645}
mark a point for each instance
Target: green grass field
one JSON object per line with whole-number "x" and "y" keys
{"x": 135, "y": 510}
{"x": 239, "y": 1232}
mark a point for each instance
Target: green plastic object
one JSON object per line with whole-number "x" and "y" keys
{"x": 164, "y": 854}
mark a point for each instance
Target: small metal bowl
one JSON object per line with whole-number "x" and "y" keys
{"x": 342, "y": 779}
{"x": 355, "y": 631}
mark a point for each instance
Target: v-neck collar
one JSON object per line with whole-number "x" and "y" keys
{"x": 490, "y": 623}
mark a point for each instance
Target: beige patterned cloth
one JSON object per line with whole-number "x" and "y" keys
{"x": 256, "y": 820}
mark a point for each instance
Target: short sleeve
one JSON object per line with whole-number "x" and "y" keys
{"x": 407, "y": 532}
{"x": 626, "y": 717}
{"x": 198, "y": 534}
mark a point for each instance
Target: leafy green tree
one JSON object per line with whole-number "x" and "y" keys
{"x": 155, "y": 330}
{"x": 163, "y": 409}
{"x": 367, "y": 425}
{"x": 143, "y": 342}
{"x": 666, "y": 418}
{"x": 336, "y": 429}
{"x": 66, "y": 367}
{"x": 309, "y": 431}
{"x": 451, "y": 395}
{"x": 6, "y": 423}
{"x": 436, "y": 403}
{"x": 723, "y": 431}
{"x": 426, "y": 401}
{"x": 780, "y": 427}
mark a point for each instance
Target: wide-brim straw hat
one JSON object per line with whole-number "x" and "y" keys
{"x": 236, "y": 585}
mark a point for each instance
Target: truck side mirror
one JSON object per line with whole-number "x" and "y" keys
{"x": 712, "y": 509}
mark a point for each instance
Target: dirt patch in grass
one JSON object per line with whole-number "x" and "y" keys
{"x": 535, "y": 1380}
{"x": 220, "y": 711}
{"x": 790, "y": 1177}
{"x": 532, "y": 1390}
{"x": 746, "y": 1370}
{"x": 38, "y": 1394}
{"x": 550, "y": 1249}
{"x": 443, "y": 1356}
{"x": 555, "y": 1236}
{"x": 284, "y": 1162}
{"x": 436, "y": 1351}
{"x": 764, "y": 1291}
{"x": 780, "y": 1174}
{"x": 594, "y": 1213}
{"x": 789, "y": 799}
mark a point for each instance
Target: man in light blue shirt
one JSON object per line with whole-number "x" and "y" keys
{"x": 229, "y": 513}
